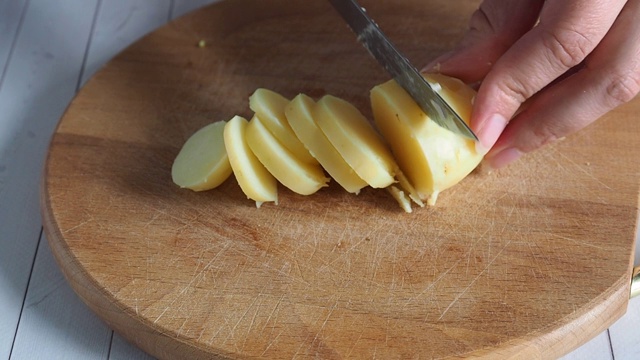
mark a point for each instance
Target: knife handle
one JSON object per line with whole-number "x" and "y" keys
{"x": 635, "y": 283}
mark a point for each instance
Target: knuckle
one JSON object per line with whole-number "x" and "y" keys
{"x": 567, "y": 47}
{"x": 516, "y": 90}
{"x": 483, "y": 20}
{"x": 545, "y": 134}
{"x": 622, "y": 88}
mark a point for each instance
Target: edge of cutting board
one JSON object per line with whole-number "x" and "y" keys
{"x": 558, "y": 340}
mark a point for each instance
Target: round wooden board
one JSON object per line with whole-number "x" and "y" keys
{"x": 527, "y": 262}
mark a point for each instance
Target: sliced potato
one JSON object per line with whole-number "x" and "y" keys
{"x": 291, "y": 142}
{"x": 299, "y": 176}
{"x": 254, "y": 180}
{"x": 270, "y": 107}
{"x": 401, "y": 198}
{"x": 356, "y": 140}
{"x": 299, "y": 113}
{"x": 432, "y": 157}
{"x": 202, "y": 163}
{"x": 408, "y": 188}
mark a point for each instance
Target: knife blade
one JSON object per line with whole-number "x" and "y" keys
{"x": 405, "y": 74}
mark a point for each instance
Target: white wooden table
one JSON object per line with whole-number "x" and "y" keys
{"x": 48, "y": 49}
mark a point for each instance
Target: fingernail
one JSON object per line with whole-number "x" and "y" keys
{"x": 503, "y": 158}
{"x": 489, "y": 132}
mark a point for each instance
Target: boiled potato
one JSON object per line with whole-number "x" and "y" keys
{"x": 356, "y": 140}
{"x": 299, "y": 113}
{"x": 202, "y": 163}
{"x": 433, "y": 158}
{"x": 299, "y": 176}
{"x": 401, "y": 198}
{"x": 292, "y": 141}
{"x": 254, "y": 180}
{"x": 270, "y": 107}
{"x": 408, "y": 189}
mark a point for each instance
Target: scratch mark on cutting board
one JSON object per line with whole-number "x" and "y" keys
{"x": 473, "y": 245}
{"x": 578, "y": 242}
{"x": 324, "y": 324}
{"x": 201, "y": 334}
{"x": 326, "y": 320}
{"x": 77, "y": 226}
{"x": 220, "y": 328}
{"x": 349, "y": 250}
{"x": 232, "y": 332}
{"x": 582, "y": 169}
{"x": 428, "y": 288}
{"x": 153, "y": 220}
{"x": 273, "y": 341}
{"x": 193, "y": 280}
{"x": 473, "y": 281}
{"x": 184, "y": 322}
{"x": 536, "y": 257}
{"x": 286, "y": 275}
{"x": 276, "y": 309}
{"x": 353, "y": 346}
{"x": 251, "y": 325}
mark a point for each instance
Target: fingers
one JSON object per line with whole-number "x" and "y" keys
{"x": 568, "y": 31}
{"x": 610, "y": 77}
{"x": 493, "y": 28}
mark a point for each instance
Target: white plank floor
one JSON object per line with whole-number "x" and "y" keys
{"x": 48, "y": 49}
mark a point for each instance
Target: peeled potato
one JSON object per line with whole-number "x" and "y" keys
{"x": 300, "y": 177}
{"x": 299, "y": 113}
{"x": 401, "y": 198}
{"x": 356, "y": 140}
{"x": 270, "y": 107}
{"x": 432, "y": 158}
{"x": 408, "y": 188}
{"x": 254, "y": 180}
{"x": 202, "y": 163}
{"x": 291, "y": 142}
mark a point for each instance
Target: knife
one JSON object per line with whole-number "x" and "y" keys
{"x": 405, "y": 74}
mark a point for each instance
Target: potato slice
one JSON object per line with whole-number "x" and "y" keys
{"x": 405, "y": 185}
{"x": 202, "y": 163}
{"x": 356, "y": 140}
{"x": 254, "y": 180}
{"x": 401, "y": 198}
{"x": 432, "y": 157}
{"x": 270, "y": 107}
{"x": 299, "y": 113}
{"x": 300, "y": 177}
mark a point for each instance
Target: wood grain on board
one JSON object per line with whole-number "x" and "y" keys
{"x": 530, "y": 261}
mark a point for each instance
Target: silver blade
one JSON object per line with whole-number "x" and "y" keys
{"x": 370, "y": 35}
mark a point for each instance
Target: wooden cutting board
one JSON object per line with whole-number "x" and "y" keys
{"x": 528, "y": 262}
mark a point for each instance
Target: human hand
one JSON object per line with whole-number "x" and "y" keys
{"x": 581, "y": 60}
